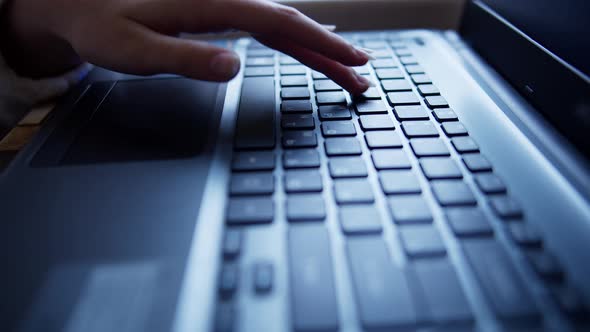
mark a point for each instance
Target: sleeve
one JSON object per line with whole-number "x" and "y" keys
{"x": 19, "y": 94}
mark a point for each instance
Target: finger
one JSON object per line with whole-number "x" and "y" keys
{"x": 344, "y": 76}
{"x": 256, "y": 16}
{"x": 145, "y": 52}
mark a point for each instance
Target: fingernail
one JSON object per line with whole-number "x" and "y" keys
{"x": 365, "y": 82}
{"x": 226, "y": 64}
{"x": 367, "y": 50}
{"x": 361, "y": 51}
{"x": 329, "y": 27}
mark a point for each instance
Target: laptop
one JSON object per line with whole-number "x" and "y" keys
{"x": 452, "y": 196}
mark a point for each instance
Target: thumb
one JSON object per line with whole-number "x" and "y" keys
{"x": 149, "y": 52}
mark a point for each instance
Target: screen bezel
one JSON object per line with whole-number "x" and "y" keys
{"x": 560, "y": 92}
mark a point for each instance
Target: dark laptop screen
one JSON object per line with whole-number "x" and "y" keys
{"x": 560, "y": 26}
{"x": 542, "y": 48}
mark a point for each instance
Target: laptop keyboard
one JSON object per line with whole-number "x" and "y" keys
{"x": 400, "y": 148}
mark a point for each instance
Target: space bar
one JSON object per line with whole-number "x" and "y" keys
{"x": 255, "y": 128}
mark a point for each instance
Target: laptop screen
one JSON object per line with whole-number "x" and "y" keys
{"x": 560, "y": 26}
{"x": 542, "y": 48}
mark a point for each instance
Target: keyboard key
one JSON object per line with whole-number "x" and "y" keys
{"x": 363, "y": 70}
{"x": 396, "y": 85}
{"x": 318, "y": 76}
{"x": 376, "y": 122}
{"x": 232, "y": 243}
{"x": 287, "y": 60}
{"x": 297, "y": 121}
{"x": 402, "y": 98}
{"x": 505, "y": 207}
{"x": 464, "y": 144}
{"x": 412, "y": 112}
{"x": 334, "y": 97}
{"x": 314, "y": 305}
{"x": 338, "y": 128}
{"x": 429, "y": 147}
{"x": 301, "y": 158}
{"x": 440, "y": 168}
{"x": 383, "y": 139}
{"x": 399, "y": 182}
{"x": 389, "y": 73}
{"x": 477, "y": 163}
{"x": 408, "y": 60}
{"x": 225, "y": 317}
{"x": 505, "y": 290}
{"x": 255, "y": 127}
{"x": 525, "y": 234}
{"x": 444, "y": 114}
{"x": 303, "y": 181}
{"x": 359, "y": 219}
{"x": 253, "y": 161}
{"x": 299, "y": 139}
{"x": 295, "y": 93}
{"x": 452, "y": 192}
{"x": 346, "y": 167}
{"x": 353, "y": 191}
{"x": 421, "y": 241}
{"x": 296, "y": 80}
{"x": 390, "y": 159}
{"x": 260, "y": 52}
{"x": 260, "y": 62}
{"x": 371, "y": 93}
{"x": 403, "y": 52}
{"x": 414, "y": 69}
{"x": 370, "y": 107}
{"x": 326, "y": 85}
{"x": 250, "y": 210}
{"x": 382, "y": 293}
{"x": 262, "y": 277}
{"x": 436, "y": 102}
{"x": 383, "y": 63}
{"x": 419, "y": 129}
{"x": 545, "y": 264}
{"x": 305, "y": 207}
{"x": 342, "y": 146}
{"x": 293, "y": 70}
{"x": 252, "y": 184}
{"x": 408, "y": 209}
{"x": 468, "y": 222}
{"x": 490, "y": 183}
{"x": 334, "y": 112}
{"x": 375, "y": 45}
{"x": 259, "y": 71}
{"x": 448, "y": 305}
{"x": 296, "y": 106}
{"x": 452, "y": 129}
{"x": 398, "y": 45}
{"x": 228, "y": 280}
{"x": 420, "y": 79}
{"x": 428, "y": 90}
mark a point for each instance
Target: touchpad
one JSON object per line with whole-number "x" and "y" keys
{"x": 146, "y": 120}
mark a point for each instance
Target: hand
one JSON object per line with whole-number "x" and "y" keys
{"x": 139, "y": 36}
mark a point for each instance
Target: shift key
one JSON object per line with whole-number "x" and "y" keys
{"x": 507, "y": 293}
{"x": 313, "y": 295}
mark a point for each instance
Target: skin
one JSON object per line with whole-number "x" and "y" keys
{"x": 140, "y": 37}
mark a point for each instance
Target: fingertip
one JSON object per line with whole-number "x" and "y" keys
{"x": 225, "y": 65}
